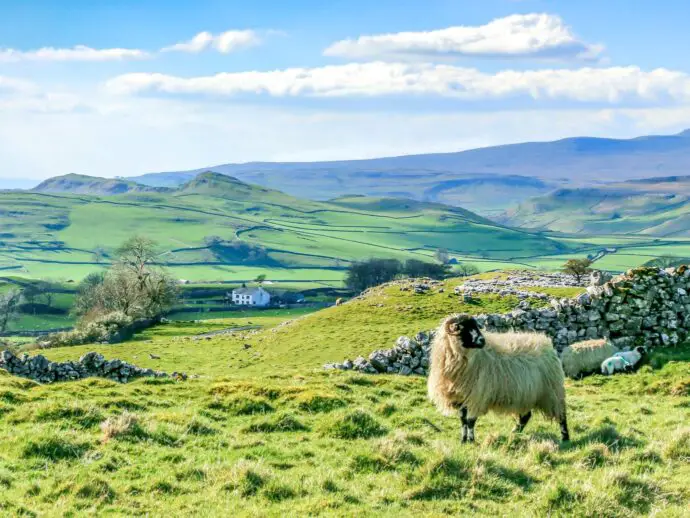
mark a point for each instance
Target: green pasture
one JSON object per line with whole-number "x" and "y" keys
{"x": 264, "y": 431}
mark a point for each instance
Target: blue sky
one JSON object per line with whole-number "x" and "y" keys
{"x": 125, "y": 87}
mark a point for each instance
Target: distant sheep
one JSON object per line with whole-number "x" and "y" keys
{"x": 511, "y": 373}
{"x": 582, "y": 358}
{"x": 338, "y": 302}
{"x": 615, "y": 364}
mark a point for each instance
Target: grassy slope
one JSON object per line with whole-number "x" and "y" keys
{"x": 281, "y": 437}
{"x": 355, "y": 328}
{"x": 54, "y": 235}
{"x": 658, "y": 207}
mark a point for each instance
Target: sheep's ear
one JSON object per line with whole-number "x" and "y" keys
{"x": 453, "y": 328}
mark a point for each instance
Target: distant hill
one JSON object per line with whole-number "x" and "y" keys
{"x": 651, "y": 206}
{"x": 82, "y": 184}
{"x": 215, "y": 227}
{"x": 483, "y": 180}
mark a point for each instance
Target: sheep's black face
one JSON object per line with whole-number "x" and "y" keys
{"x": 470, "y": 335}
{"x": 641, "y": 350}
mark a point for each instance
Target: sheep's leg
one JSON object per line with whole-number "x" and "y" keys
{"x": 463, "y": 420}
{"x": 565, "y": 436}
{"x": 522, "y": 422}
{"x": 471, "y": 421}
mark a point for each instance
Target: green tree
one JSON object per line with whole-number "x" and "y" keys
{"x": 578, "y": 268}
{"x": 9, "y": 307}
{"x": 417, "y": 268}
{"x": 372, "y": 272}
{"x": 466, "y": 269}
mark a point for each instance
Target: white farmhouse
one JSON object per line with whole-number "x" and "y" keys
{"x": 251, "y": 297}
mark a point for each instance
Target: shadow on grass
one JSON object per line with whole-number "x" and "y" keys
{"x": 453, "y": 479}
{"x": 605, "y": 434}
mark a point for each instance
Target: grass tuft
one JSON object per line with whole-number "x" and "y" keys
{"x": 315, "y": 403}
{"x": 54, "y": 448}
{"x": 282, "y": 423}
{"x": 125, "y": 425}
{"x": 354, "y": 425}
{"x": 678, "y": 448}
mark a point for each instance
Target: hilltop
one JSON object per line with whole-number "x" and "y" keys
{"x": 483, "y": 180}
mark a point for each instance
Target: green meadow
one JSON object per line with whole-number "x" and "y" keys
{"x": 264, "y": 431}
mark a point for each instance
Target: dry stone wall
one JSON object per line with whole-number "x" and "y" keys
{"x": 39, "y": 368}
{"x": 644, "y": 306}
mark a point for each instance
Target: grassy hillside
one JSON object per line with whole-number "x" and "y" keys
{"x": 654, "y": 207}
{"x": 264, "y": 431}
{"x": 217, "y": 228}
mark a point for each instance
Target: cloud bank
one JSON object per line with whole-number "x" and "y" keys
{"x": 542, "y": 36}
{"x": 614, "y": 84}
{"x": 76, "y": 53}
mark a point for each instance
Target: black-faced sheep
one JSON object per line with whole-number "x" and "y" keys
{"x": 582, "y": 358}
{"x": 472, "y": 373}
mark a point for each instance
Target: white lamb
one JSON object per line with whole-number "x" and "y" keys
{"x": 615, "y": 364}
{"x": 632, "y": 357}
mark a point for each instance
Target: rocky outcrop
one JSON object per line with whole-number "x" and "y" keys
{"x": 39, "y": 368}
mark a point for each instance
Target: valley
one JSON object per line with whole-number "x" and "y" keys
{"x": 217, "y": 228}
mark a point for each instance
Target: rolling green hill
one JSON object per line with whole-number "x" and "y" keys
{"x": 216, "y": 227}
{"x": 654, "y": 207}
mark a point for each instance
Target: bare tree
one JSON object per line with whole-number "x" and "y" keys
{"x": 9, "y": 307}
{"x": 442, "y": 256}
{"x": 99, "y": 254}
{"x": 134, "y": 285}
{"x": 137, "y": 255}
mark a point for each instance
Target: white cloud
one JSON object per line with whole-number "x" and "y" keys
{"x": 225, "y": 42}
{"x": 22, "y": 96}
{"x": 541, "y": 36}
{"x": 11, "y": 85}
{"x": 615, "y": 84}
{"x": 76, "y": 53}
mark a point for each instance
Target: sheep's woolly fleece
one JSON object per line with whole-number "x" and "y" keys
{"x": 585, "y": 357}
{"x": 512, "y": 374}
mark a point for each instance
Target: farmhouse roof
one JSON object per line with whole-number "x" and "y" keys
{"x": 248, "y": 291}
